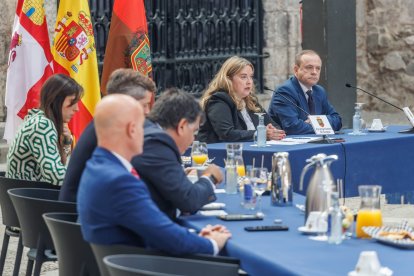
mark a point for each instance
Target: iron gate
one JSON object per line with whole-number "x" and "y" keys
{"x": 190, "y": 39}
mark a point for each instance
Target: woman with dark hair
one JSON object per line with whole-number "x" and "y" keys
{"x": 42, "y": 145}
{"x": 230, "y": 103}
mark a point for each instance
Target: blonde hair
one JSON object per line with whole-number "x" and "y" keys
{"x": 222, "y": 82}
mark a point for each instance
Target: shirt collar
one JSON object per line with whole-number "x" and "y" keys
{"x": 124, "y": 162}
{"x": 304, "y": 89}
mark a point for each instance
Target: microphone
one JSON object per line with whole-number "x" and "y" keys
{"x": 287, "y": 99}
{"x": 350, "y": 86}
{"x": 406, "y": 110}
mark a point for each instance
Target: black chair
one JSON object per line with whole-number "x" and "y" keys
{"x": 132, "y": 265}
{"x": 101, "y": 251}
{"x": 9, "y": 217}
{"x": 74, "y": 253}
{"x": 30, "y": 204}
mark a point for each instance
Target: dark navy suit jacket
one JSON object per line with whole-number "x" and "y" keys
{"x": 115, "y": 208}
{"x": 291, "y": 118}
{"x": 80, "y": 154}
{"x": 160, "y": 167}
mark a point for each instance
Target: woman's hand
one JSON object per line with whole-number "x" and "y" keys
{"x": 273, "y": 133}
{"x": 66, "y": 136}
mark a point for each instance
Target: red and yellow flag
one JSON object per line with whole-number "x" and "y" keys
{"x": 75, "y": 55}
{"x": 128, "y": 44}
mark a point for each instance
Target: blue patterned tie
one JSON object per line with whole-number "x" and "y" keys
{"x": 311, "y": 104}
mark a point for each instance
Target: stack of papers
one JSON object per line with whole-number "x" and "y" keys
{"x": 294, "y": 140}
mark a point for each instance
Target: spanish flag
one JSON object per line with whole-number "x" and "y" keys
{"x": 128, "y": 45}
{"x": 75, "y": 55}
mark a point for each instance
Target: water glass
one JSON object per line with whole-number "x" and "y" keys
{"x": 259, "y": 180}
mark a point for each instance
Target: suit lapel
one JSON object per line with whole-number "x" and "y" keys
{"x": 301, "y": 96}
{"x": 241, "y": 120}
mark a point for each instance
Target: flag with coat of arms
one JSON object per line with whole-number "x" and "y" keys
{"x": 75, "y": 55}
{"x": 30, "y": 63}
{"x": 128, "y": 45}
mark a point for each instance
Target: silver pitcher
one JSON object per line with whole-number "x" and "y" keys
{"x": 281, "y": 190}
{"x": 320, "y": 184}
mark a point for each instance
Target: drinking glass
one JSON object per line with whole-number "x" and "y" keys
{"x": 199, "y": 153}
{"x": 241, "y": 170}
{"x": 369, "y": 213}
{"x": 259, "y": 179}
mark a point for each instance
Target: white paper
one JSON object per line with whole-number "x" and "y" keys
{"x": 214, "y": 206}
{"x": 294, "y": 141}
{"x": 213, "y": 213}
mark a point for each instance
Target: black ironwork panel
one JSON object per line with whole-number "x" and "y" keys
{"x": 190, "y": 39}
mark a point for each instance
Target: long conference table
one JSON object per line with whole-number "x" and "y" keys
{"x": 290, "y": 252}
{"x": 385, "y": 159}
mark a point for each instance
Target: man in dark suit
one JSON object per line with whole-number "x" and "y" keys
{"x": 114, "y": 205}
{"x": 302, "y": 89}
{"x": 122, "y": 81}
{"x": 173, "y": 120}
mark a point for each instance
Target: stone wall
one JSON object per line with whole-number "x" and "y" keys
{"x": 385, "y": 52}
{"x": 385, "y": 44}
{"x": 6, "y": 22}
{"x": 282, "y": 41}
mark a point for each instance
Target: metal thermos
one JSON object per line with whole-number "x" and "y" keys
{"x": 282, "y": 189}
{"x": 321, "y": 184}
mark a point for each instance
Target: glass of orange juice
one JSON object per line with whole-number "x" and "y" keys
{"x": 241, "y": 171}
{"x": 369, "y": 213}
{"x": 199, "y": 153}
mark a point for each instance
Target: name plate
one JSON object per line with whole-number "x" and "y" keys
{"x": 321, "y": 125}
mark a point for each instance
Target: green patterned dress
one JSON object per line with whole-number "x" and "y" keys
{"x": 34, "y": 154}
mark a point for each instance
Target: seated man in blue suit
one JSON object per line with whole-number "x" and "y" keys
{"x": 303, "y": 90}
{"x": 114, "y": 205}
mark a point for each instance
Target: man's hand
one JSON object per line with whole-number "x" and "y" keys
{"x": 188, "y": 170}
{"x": 273, "y": 133}
{"x": 218, "y": 233}
{"x": 215, "y": 171}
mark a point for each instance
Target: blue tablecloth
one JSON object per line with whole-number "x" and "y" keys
{"x": 386, "y": 159}
{"x": 290, "y": 252}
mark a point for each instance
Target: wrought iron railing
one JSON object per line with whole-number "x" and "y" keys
{"x": 190, "y": 39}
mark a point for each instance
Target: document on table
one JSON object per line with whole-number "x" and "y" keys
{"x": 293, "y": 141}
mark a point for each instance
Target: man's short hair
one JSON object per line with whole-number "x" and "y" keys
{"x": 298, "y": 57}
{"x": 174, "y": 105}
{"x": 130, "y": 82}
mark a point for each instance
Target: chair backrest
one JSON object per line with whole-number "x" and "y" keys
{"x": 9, "y": 215}
{"x": 30, "y": 204}
{"x": 132, "y": 265}
{"x": 100, "y": 251}
{"x": 74, "y": 253}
